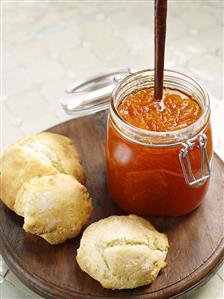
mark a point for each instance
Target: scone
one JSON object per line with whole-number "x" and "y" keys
{"x": 54, "y": 207}
{"x": 38, "y": 155}
{"x": 122, "y": 252}
{"x": 19, "y": 164}
{"x": 60, "y": 150}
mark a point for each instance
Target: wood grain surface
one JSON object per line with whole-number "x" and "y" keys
{"x": 196, "y": 240}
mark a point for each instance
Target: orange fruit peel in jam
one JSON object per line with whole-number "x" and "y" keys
{"x": 175, "y": 111}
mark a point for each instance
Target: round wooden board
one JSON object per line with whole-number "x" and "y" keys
{"x": 196, "y": 240}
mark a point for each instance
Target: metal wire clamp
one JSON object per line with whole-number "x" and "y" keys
{"x": 205, "y": 165}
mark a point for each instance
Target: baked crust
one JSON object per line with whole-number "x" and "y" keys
{"x": 54, "y": 207}
{"x": 17, "y": 165}
{"x": 60, "y": 150}
{"x": 122, "y": 252}
{"x": 38, "y": 155}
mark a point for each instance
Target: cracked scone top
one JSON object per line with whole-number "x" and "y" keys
{"x": 122, "y": 252}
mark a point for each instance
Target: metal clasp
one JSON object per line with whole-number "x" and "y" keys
{"x": 205, "y": 164}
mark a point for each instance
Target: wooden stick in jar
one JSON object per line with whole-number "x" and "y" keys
{"x": 159, "y": 42}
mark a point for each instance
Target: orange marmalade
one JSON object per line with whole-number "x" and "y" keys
{"x": 175, "y": 111}
{"x": 148, "y": 180}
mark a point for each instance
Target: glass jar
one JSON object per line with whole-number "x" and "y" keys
{"x": 158, "y": 173}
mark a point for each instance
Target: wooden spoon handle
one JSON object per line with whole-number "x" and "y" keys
{"x": 159, "y": 42}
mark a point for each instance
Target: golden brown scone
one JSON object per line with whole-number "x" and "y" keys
{"x": 19, "y": 164}
{"x": 60, "y": 150}
{"x": 122, "y": 252}
{"x": 38, "y": 155}
{"x": 54, "y": 207}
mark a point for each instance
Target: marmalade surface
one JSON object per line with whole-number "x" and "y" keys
{"x": 174, "y": 112}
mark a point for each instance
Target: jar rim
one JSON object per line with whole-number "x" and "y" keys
{"x": 173, "y": 137}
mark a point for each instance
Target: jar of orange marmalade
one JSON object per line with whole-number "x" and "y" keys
{"x": 161, "y": 173}
{"x": 158, "y": 153}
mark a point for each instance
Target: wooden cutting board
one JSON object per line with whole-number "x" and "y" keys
{"x": 196, "y": 240}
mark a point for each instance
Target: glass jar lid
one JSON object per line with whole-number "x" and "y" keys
{"x": 94, "y": 94}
